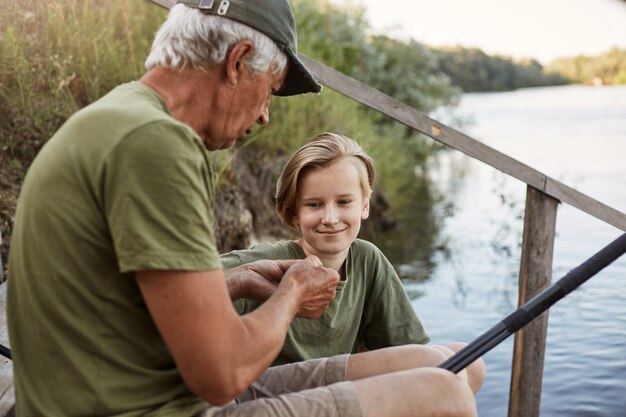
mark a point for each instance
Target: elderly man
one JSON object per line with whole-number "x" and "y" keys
{"x": 117, "y": 302}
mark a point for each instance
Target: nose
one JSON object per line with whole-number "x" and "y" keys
{"x": 330, "y": 216}
{"x": 264, "y": 117}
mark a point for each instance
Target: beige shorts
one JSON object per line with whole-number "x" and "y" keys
{"x": 316, "y": 387}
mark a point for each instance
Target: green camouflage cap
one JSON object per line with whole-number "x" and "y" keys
{"x": 273, "y": 18}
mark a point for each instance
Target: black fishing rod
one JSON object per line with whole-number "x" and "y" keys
{"x": 534, "y": 307}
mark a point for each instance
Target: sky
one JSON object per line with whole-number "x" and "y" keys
{"x": 540, "y": 29}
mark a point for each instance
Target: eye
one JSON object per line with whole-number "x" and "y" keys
{"x": 344, "y": 202}
{"x": 313, "y": 205}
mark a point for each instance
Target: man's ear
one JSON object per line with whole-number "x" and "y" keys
{"x": 236, "y": 60}
{"x": 365, "y": 212}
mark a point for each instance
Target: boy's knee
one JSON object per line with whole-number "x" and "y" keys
{"x": 476, "y": 371}
{"x": 460, "y": 400}
{"x": 456, "y": 346}
{"x": 426, "y": 355}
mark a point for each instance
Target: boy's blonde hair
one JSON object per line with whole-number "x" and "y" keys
{"x": 320, "y": 152}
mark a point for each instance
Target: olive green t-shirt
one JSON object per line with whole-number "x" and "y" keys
{"x": 121, "y": 187}
{"x": 371, "y": 306}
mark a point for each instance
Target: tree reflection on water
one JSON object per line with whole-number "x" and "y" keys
{"x": 428, "y": 239}
{"x": 415, "y": 242}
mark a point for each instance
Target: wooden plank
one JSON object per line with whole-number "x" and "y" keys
{"x": 412, "y": 118}
{"x": 416, "y": 120}
{"x": 585, "y": 203}
{"x": 535, "y": 275}
{"x": 7, "y": 394}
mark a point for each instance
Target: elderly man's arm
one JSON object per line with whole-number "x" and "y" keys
{"x": 259, "y": 279}
{"x": 218, "y": 352}
{"x": 256, "y": 280}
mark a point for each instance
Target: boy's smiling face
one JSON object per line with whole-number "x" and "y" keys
{"x": 329, "y": 209}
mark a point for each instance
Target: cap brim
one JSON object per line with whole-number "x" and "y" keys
{"x": 298, "y": 80}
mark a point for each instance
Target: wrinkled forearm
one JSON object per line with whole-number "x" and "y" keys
{"x": 251, "y": 280}
{"x": 191, "y": 309}
{"x": 235, "y": 282}
{"x": 250, "y": 346}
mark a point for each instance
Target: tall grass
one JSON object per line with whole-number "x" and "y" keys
{"x": 56, "y": 56}
{"x": 59, "y": 55}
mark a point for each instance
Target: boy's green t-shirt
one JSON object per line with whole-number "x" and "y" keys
{"x": 371, "y": 307}
{"x": 121, "y": 187}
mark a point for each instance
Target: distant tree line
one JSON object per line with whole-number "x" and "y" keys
{"x": 473, "y": 70}
{"x": 606, "y": 68}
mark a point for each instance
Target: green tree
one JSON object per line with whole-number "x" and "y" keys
{"x": 606, "y": 68}
{"x": 473, "y": 70}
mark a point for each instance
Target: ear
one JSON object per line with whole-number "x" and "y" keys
{"x": 236, "y": 60}
{"x": 365, "y": 211}
{"x": 295, "y": 222}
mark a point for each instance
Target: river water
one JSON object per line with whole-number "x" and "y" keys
{"x": 468, "y": 282}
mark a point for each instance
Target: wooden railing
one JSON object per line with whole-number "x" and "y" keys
{"x": 420, "y": 122}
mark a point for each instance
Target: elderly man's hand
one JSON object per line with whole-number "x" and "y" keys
{"x": 318, "y": 285}
{"x": 256, "y": 280}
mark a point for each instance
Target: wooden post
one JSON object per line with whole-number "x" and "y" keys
{"x": 535, "y": 275}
